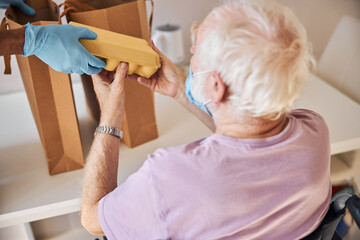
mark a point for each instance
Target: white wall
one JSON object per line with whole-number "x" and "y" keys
{"x": 182, "y": 13}
{"x": 319, "y": 17}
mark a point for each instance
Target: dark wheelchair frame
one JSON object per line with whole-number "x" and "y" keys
{"x": 337, "y": 210}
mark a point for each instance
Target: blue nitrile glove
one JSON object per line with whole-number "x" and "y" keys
{"x": 59, "y": 47}
{"x": 26, "y": 9}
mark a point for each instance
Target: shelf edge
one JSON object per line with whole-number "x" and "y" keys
{"x": 38, "y": 213}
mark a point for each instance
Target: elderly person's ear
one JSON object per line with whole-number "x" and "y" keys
{"x": 216, "y": 87}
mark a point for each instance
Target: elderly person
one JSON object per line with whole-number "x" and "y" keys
{"x": 264, "y": 174}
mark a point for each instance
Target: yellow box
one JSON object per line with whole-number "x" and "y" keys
{"x": 115, "y": 48}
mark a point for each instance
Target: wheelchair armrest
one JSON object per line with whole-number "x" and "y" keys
{"x": 353, "y": 204}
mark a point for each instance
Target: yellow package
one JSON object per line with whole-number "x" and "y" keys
{"x": 115, "y": 48}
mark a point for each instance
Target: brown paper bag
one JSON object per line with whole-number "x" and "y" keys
{"x": 126, "y": 17}
{"x": 50, "y": 96}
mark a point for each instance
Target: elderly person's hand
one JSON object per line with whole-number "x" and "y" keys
{"x": 169, "y": 80}
{"x": 109, "y": 89}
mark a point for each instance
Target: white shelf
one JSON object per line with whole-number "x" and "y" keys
{"x": 77, "y": 233}
{"x": 339, "y": 170}
{"x": 28, "y": 193}
{"x": 341, "y": 113}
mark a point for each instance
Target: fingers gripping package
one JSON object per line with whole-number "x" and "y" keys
{"x": 116, "y": 48}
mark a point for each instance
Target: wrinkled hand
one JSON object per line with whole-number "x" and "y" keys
{"x": 26, "y": 9}
{"x": 59, "y": 47}
{"x": 169, "y": 80}
{"x": 111, "y": 95}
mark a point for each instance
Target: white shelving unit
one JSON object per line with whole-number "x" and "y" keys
{"x": 77, "y": 233}
{"x": 342, "y": 116}
{"x": 28, "y": 193}
{"x": 341, "y": 113}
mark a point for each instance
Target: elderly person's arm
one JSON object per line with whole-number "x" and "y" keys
{"x": 169, "y": 80}
{"x": 100, "y": 176}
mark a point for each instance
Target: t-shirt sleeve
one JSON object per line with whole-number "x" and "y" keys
{"x": 131, "y": 210}
{"x": 311, "y": 119}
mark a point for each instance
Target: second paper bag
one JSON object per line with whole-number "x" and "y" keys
{"x": 130, "y": 18}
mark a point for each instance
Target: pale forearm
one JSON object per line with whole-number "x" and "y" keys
{"x": 100, "y": 175}
{"x": 100, "y": 178}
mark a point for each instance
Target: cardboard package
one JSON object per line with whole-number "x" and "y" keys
{"x": 115, "y": 48}
{"x": 50, "y": 96}
{"x": 126, "y": 17}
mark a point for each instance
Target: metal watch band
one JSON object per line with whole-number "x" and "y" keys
{"x": 109, "y": 130}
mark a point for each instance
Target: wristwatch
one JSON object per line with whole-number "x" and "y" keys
{"x": 109, "y": 130}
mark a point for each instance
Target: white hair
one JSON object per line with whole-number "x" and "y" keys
{"x": 260, "y": 50}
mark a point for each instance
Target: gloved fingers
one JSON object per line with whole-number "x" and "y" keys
{"x": 94, "y": 61}
{"x": 26, "y": 9}
{"x": 76, "y": 70}
{"x": 86, "y": 33}
{"x": 4, "y": 5}
{"x": 66, "y": 69}
{"x": 90, "y": 70}
{"x": 90, "y": 64}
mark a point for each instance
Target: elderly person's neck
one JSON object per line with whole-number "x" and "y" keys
{"x": 248, "y": 127}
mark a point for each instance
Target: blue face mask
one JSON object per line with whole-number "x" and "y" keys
{"x": 188, "y": 83}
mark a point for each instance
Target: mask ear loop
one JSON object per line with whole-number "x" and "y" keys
{"x": 198, "y": 73}
{"x": 207, "y": 102}
{"x": 207, "y": 71}
{"x": 206, "y": 107}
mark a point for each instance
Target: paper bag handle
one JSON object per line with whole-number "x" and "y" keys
{"x": 77, "y": 6}
{"x": 4, "y": 27}
{"x": 151, "y": 17}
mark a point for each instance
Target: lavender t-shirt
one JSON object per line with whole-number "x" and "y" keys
{"x": 227, "y": 188}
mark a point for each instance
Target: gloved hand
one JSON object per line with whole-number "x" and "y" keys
{"x": 26, "y": 9}
{"x": 59, "y": 47}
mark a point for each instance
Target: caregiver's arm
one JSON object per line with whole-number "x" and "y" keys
{"x": 100, "y": 175}
{"x": 169, "y": 80}
{"x": 56, "y": 45}
{"x": 12, "y": 41}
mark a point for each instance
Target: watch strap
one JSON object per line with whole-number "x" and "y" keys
{"x": 109, "y": 130}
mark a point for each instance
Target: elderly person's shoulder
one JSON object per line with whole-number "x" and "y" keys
{"x": 309, "y": 119}
{"x": 306, "y": 114}
{"x": 173, "y": 153}
{"x": 304, "y": 121}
